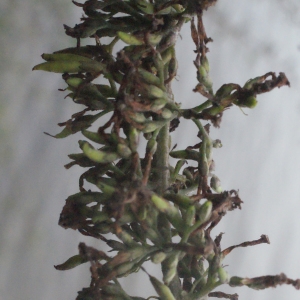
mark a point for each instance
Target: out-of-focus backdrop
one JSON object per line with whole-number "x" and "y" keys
{"x": 260, "y": 154}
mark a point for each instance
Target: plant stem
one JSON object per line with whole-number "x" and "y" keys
{"x": 162, "y": 160}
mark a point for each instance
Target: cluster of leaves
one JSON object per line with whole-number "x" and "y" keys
{"x": 144, "y": 201}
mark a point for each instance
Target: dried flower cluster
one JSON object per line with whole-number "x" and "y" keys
{"x": 141, "y": 199}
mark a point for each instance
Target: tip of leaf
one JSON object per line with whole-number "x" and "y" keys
{"x": 49, "y": 134}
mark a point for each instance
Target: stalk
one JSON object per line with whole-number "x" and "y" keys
{"x": 140, "y": 206}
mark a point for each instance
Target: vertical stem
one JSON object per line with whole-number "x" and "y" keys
{"x": 162, "y": 160}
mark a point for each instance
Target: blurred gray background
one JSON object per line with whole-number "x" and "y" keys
{"x": 260, "y": 154}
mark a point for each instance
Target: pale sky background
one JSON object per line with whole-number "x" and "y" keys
{"x": 260, "y": 154}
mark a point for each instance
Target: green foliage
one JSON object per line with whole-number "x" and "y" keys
{"x": 144, "y": 201}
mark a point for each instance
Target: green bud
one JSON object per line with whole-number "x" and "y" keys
{"x": 166, "y": 113}
{"x": 217, "y": 143}
{"x": 70, "y": 66}
{"x": 158, "y": 257}
{"x": 205, "y": 211}
{"x": 171, "y": 267}
{"x": 158, "y": 104}
{"x": 170, "y": 210}
{"x": 190, "y": 215}
{"x": 74, "y": 81}
{"x": 151, "y": 146}
{"x": 71, "y": 263}
{"x": 215, "y": 184}
{"x": 149, "y": 77}
{"x": 145, "y": 6}
{"x": 113, "y": 290}
{"x": 178, "y": 7}
{"x": 116, "y": 245}
{"x": 64, "y": 57}
{"x": 167, "y": 55}
{"x": 223, "y": 275}
{"x": 162, "y": 290}
{"x": 123, "y": 151}
{"x": 153, "y": 91}
{"x": 138, "y": 117}
{"x": 205, "y": 63}
{"x": 129, "y": 38}
{"x": 154, "y": 39}
{"x": 87, "y": 198}
{"x": 213, "y": 110}
{"x": 186, "y": 154}
{"x": 178, "y": 166}
{"x": 125, "y": 268}
{"x": 202, "y": 73}
{"x": 59, "y": 66}
{"x": 133, "y": 136}
{"x": 151, "y": 126}
{"x": 236, "y": 281}
{"x": 249, "y": 102}
{"x": 99, "y": 216}
{"x": 108, "y": 190}
{"x": 173, "y": 66}
{"x": 93, "y": 136}
{"x": 97, "y": 155}
{"x": 225, "y": 90}
{"x": 188, "y": 175}
{"x": 181, "y": 200}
